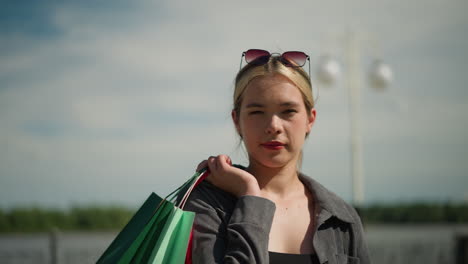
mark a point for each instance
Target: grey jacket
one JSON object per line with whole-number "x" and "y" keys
{"x": 231, "y": 230}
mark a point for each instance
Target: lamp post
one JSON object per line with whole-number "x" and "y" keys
{"x": 380, "y": 76}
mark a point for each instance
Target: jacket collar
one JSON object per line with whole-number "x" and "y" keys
{"x": 330, "y": 204}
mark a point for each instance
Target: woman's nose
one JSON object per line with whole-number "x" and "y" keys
{"x": 273, "y": 125}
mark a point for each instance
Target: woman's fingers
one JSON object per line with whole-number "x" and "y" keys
{"x": 202, "y": 165}
{"x": 224, "y": 162}
{"x": 228, "y": 178}
{"x": 212, "y": 163}
{"x": 215, "y": 164}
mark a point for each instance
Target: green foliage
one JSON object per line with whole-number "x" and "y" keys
{"x": 4, "y": 222}
{"x": 26, "y": 220}
{"x": 415, "y": 213}
{"x": 95, "y": 218}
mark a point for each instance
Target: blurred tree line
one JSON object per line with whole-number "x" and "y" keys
{"x": 96, "y": 218}
{"x": 101, "y": 218}
{"x": 419, "y": 212}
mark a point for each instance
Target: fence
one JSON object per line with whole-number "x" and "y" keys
{"x": 437, "y": 244}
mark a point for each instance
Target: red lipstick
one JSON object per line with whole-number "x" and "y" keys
{"x": 273, "y": 145}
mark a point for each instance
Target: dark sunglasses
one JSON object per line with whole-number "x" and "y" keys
{"x": 288, "y": 58}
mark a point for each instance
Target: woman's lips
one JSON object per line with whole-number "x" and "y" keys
{"x": 274, "y": 145}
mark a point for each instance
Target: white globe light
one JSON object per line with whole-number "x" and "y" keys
{"x": 380, "y": 75}
{"x": 328, "y": 70}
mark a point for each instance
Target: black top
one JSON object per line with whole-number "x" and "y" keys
{"x": 277, "y": 258}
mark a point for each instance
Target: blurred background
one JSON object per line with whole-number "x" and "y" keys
{"x": 102, "y": 103}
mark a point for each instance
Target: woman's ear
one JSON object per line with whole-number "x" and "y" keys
{"x": 311, "y": 119}
{"x": 235, "y": 120}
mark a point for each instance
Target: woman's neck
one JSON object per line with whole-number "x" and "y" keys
{"x": 278, "y": 182}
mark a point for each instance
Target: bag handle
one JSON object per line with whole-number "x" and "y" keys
{"x": 198, "y": 180}
{"x": 187, "y": 187}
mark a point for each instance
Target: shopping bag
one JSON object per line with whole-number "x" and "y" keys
{"x": 159, "y": 232}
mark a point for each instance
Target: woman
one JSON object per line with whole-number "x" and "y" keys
{"x": 269, "y": 212}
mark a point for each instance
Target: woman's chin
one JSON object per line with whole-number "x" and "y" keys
{"x": 274, "y": 162}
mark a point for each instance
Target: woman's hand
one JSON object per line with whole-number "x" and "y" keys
{"x": 231, "y": 179}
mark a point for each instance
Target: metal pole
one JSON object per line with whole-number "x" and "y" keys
{"x": 53, "y": 245}
{"x": 353, "y": 81}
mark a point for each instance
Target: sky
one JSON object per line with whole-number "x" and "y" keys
{"x": 104, "y": 102}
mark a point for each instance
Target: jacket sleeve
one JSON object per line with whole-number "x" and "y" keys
{"x": 240, "y": 236}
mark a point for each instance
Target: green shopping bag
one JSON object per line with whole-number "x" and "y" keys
{"x": 158, "y": 233}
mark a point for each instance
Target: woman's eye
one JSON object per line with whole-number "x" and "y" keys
{"x": 290, "y": 111}
{"x": 255, "y": 112}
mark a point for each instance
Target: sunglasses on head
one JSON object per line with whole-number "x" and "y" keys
{"x": 288, "y": 58}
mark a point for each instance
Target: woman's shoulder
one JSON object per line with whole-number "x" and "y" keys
{"x": 206, "y": 196}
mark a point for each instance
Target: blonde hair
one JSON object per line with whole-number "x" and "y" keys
{"x": 296, "y": 75}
